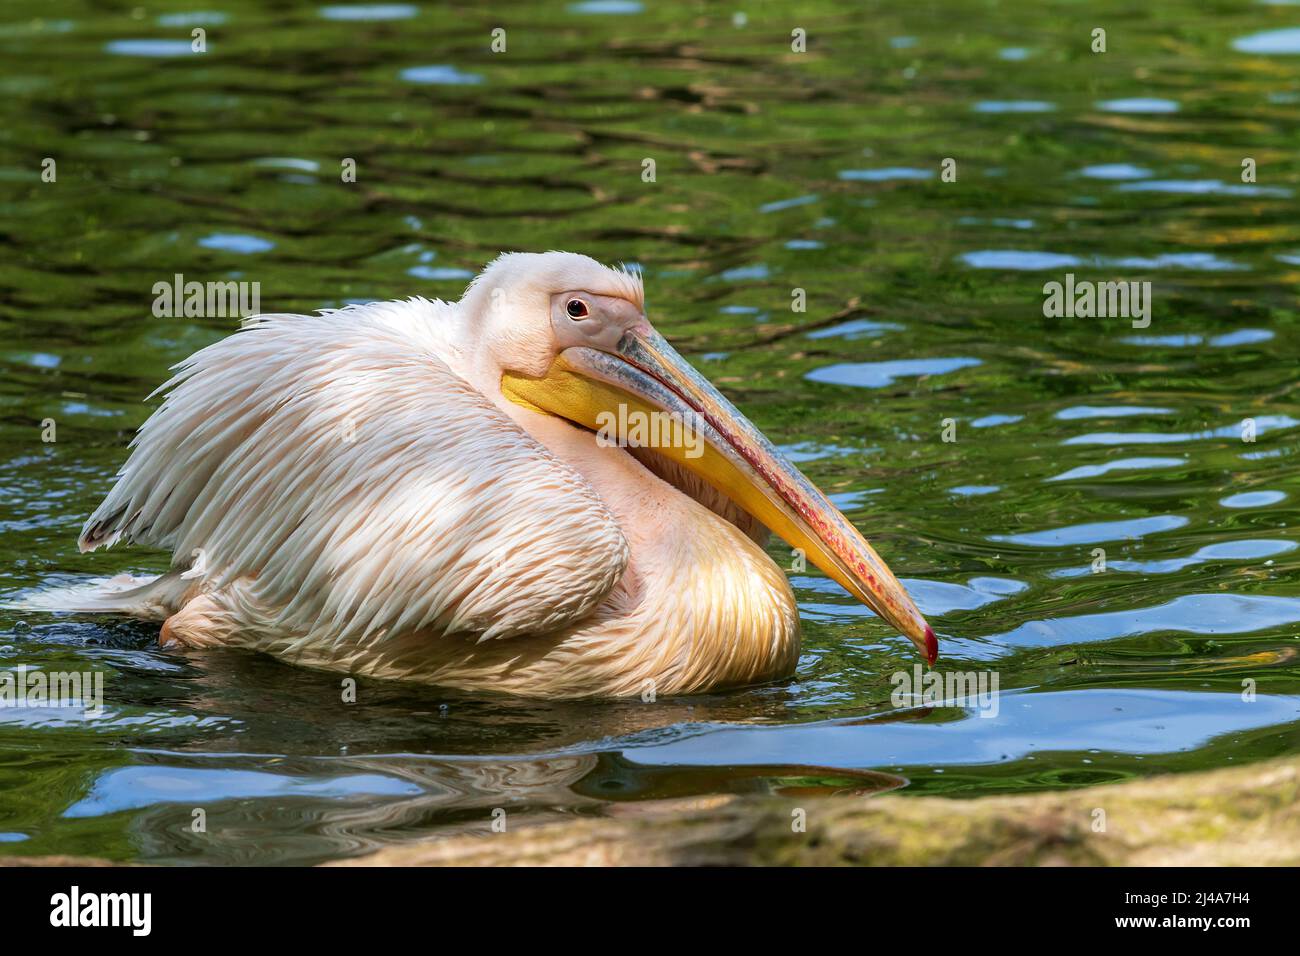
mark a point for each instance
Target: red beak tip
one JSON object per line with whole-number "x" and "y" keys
{"x": 931, "y": 646}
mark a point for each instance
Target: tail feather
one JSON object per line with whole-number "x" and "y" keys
{"x": 142, "y": 596}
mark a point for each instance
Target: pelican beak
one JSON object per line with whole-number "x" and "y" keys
{"x": 618, "y": 394}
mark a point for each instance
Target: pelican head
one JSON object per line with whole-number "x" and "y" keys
{"x": 565, "y": 336}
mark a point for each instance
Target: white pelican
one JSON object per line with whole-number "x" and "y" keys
{"x": 434, "y": 491}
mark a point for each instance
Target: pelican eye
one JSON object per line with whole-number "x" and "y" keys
{"x": 576, "y": 308}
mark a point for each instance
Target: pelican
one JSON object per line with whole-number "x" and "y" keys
{"x": 463, "y": 494}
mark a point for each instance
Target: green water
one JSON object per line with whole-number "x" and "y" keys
{"x": 774, "y": 171}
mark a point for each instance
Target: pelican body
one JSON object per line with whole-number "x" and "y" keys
{"x": 462, "y": 494}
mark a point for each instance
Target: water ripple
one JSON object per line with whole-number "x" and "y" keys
{"x": 1220, "y": 613}
{"x": 855, "y": 329}
{"x": 149, "y": 48}
{"x": 1202, "y": 187}
{"x": 1095, "y": 532}
{"x": 1109, "y": 411}
{"x": 1121, "y": 464}
{"x": 369, "y": 12}
{"x": 880, "y": 374}
{"x": 1252, "y": 550}
{"x": 1270, "y": 42}
{"x": 789, "y": 203}
{"x": 885, "y": 175}
{"x": 974, "y": 491}
{"x": 1117, "y": 721}
{"x": 1263, "y": 423}
{"x": 440, "y": 74}
{"x": 1253, "y": 499}
{"x": 1138, "y": 104}
{"x": 1187, "y": 340}
{"x": 234, "y": 242}
{"x": 607, "y": 7}
{"x": 1115, "y": 171}
{"x": 130, "y": 788}
{"x": 1013, "y": 106}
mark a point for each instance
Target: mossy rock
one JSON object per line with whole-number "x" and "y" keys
{"x": 1247, "y": 816}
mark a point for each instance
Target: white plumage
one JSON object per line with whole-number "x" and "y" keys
{"x": 354, "y": 491}
{"x": 359, "y": 485}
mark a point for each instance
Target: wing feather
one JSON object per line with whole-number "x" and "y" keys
{"x": 341, "y": 466}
